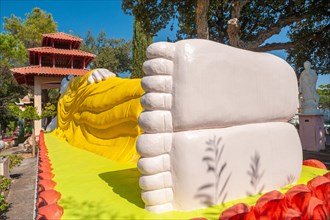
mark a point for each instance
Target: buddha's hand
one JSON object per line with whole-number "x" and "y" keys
{"x": 98, "y": 75}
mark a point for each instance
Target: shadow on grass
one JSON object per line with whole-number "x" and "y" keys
{"x": 126, "y": 184}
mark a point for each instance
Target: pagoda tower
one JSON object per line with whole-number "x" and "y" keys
{"x": 58, "y": 57}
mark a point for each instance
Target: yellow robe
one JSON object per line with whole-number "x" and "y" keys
{"x": 101, "y": 117}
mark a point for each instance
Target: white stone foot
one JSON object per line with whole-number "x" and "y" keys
{"x": 211, "y": 113}
{"x": 154, "y": 146}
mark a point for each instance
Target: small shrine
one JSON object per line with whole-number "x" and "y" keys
{"x": 58, "y": 57}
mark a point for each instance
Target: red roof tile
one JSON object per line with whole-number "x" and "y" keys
{"x": 62, "y": 36}
{"x": 25, "y": 75}
{"x": 41, "y": 70}
{"x": 52, "y": 50}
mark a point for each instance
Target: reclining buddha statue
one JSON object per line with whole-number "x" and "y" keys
{"x": 98, "y": 112}
{"x": 214, "y": 121}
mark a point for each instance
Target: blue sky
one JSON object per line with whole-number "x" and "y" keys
{"x": 81, "y": 16}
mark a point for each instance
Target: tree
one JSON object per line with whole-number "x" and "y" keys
{"x": 89, "y": 44}
{"x": 29, "y": 113}
{"x": 20, "y": 34}
{"x": 24, "y": 119}
{"x": 30, "y": 30}
{"x": 310, "y": 37}
{"x": 13, "y": 53}
{"x": 152, "y": 15}
{"x": 49, "y": 110}
{"x": 141, "y": 40}
{"x": 324, "y": 93}
{"x": 246, "y": 24}
{"x": 112, "y": 54}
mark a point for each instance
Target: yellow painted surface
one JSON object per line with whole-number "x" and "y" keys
{"x": 94, "y": 187}
{"x": 98, "y": 177}
{"x": 101, "y": 117}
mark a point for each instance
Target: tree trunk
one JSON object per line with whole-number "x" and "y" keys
{"x": 201, "y": 19}
{"x": 233, "y": 32}
{"x": 233, "y": 29}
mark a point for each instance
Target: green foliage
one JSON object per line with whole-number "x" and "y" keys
{"x": 3, "y": 204}
{"x": 324, "y": 93}
{"x": 308, "y": 23}
{"x": 13, "y": 51}
{"x": 30, "y": 30}
{"x": 15, "y": 160}
{"x": 4, "y": 186}
{"x": 11, "y": 126}
{"x": 15, "y": 110}
{"x": 28, "y": 128}
{"x": 21, "y": 34}
{"x": 53, "y": 95}
{"x": 49, "y": 110}
{"x": 112, "y": 54}
{"x": 311, "y": 37}
{"x": 10, "y": 129}
{"x": 30, "y": 113}
{"x": 153, "y": 15}
{"x": 141, "y": 41}
{"x": 13, "y": 54}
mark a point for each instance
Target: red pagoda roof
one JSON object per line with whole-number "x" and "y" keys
{"x": 26, "y": 74}
{"x": 52, "y": 50}
{"x": 61, "y": 40}
{"x": 62, "y": 36}
{"x": 58, "y": 56}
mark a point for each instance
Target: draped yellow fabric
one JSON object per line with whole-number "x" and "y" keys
{"x": 101, "y": 117}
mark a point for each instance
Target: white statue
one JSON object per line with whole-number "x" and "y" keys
{"x": 212, "y": 110}
{"x": 307, "y": 89}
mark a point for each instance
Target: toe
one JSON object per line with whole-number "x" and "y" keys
{"x": 161, "y": 50}
{"x": 158, "y": 66}
{"x": 149, "y": 145}
{"x": 161, "y": 84}
{"x": 156, "y": 181}
{"x": 157, "y": 197}
{"x": 156, "y": 101}
{"x": 156, "y": 121}
{"x": 153, "y": 165}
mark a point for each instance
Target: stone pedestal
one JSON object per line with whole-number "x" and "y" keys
{"x": 4, "y": 167}
{"x": 311, "y": 132}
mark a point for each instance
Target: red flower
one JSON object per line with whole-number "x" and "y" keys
{"x": 327, "y": 175}
{"x": 314, "y": 163}
{"x": 298, "y": 198}
{"x": 316, "y": 210}
{"x": 270, "y": 206}
{"x": 320, "y": 187}
{"x": 240, "y": 211}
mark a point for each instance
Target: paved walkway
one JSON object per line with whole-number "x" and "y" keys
{"x": 323, "y": 156}
{"x": 22, "y": 191}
